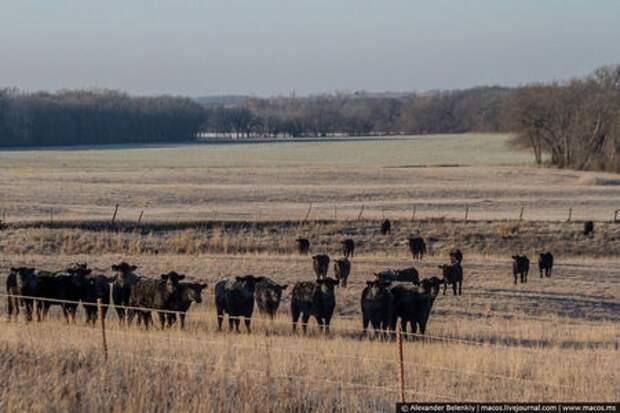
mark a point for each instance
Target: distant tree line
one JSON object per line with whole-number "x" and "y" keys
{"x": 480, "y": 109}
{"x": 95, "y": 117}
{"x": 575, "y": 123}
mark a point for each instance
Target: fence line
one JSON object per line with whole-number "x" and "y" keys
{"x": 289, "y": 323}
{"x": 349, "y": 357}
{"x": 294, "y": 377}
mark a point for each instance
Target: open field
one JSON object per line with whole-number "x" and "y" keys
{"x": 278, "y": 181}
{"x": 220, "y": 210}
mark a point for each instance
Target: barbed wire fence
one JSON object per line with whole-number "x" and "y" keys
{"x": 399, "y": 362}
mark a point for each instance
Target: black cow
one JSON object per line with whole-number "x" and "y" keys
{"x": 452, "y": 274}
{"x": 314, "y": 298}
{"x": 342, "y": 269}
{"x": 63, "y": 286}
{"x": 124, "y": 280}
{"x": 386, "y": 227}
{"x": 268, "y": 295}
{"x": 456, "y": 256}
{"x": 185, "y": 295}
{"x": 413, "y": 306}
{"x": 235, "y": 297}
{"x": 96, "y": 287}
{"x": 545, "y": 264}
{"x": 405, "y": 275}
{"x": 320, "y": 264}
{"x": 150, "y": 293}
{"x": 348, "y": 248}
{"x": 417, "y": 246}
{"x": 588, "y": 228}
{"x": 520, "y": 267}
{"x": 377, "y": 304}
{"x": 303, "y": 246}
{"x": 21, "y": 282}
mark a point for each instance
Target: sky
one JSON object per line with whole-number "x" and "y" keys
{"x": 279, "y": 47}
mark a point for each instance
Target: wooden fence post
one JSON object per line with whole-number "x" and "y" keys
{"x": 359, "y": 216}
{"x": 140, "y": 217}
{"x": 401, "y": 367}
{"x": 308, "y": 212}
{"x": 102, "y": 322}
{"x": 413, "y": 213}
{"x": 51, "y": 215}
{"x": 521, "y": 214}
{"x": 616, "y": 215}
{"x": 570, "y": 214}
{"x": 466, "y": 213}
{"x": 335, "y": 213}
{"x": 114, "y": 215}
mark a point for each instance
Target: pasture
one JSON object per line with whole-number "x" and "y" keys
{"x": 222, "y": 210}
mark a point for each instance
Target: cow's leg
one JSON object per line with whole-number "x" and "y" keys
{"x": 231, "y": 323}
{"x": 120, "y": 312}
{"x": 247, "y": 321}
{"x": 182, "y": 319}
{"x": 304, "y": 322}
{"x": 454, "y": 287}
{"x": 326, "y": 322}
{"x": 65, "y": 313}
{"x": 295, "y": 314}
{"x": 461, "y": 287}
{"x": 445, "y": 286}
{"x": 365, "y": 322}
{"x": 162, "y": 320}
{"x": 220, "y": 319}
{"x": 10, "y": 309}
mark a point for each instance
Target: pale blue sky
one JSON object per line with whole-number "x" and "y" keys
{"x": 267, "y": 47}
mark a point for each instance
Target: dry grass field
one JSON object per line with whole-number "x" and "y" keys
{"x": 552, "y": 339}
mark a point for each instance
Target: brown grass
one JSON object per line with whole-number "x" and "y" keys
{"x": 539, "y": 337}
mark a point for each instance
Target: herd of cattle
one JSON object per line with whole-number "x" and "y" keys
{"x": 391, "y": 296}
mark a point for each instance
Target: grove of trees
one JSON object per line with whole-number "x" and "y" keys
{"x": 575, "y": 123}
{"x": 95, "y": 117}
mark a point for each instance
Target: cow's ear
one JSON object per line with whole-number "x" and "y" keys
{"x": 369, "y": 283}
{"x": 133, "y": 268}
{"x": 164, "y": 276}
{"x": 13, "y": 269}
{"x": 259, "y": 279}
{"x": 115, "y": 267}
{"x": 86, "y": 272}
{"x": 180, "y": 276}
{"x": 284, "y": 286}
{"x": 320, "y": 280}
{"x": 240, "y": 278}
{"x": 202, "y": 285}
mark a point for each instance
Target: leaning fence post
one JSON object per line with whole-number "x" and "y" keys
{"x": 521, "y": 214}
{"x": 413, "y": 213}
{"x": 140, "y": 218}
{"x": 466, "y": 212}
{"x": 570, "y": 214}
{"x": 102, "y": 322}
{"x": 308, "y": 212}
{"x": 401, "y": 368}
{"x": 114, "y": 215}
{"x": 616, "y": 215}
{"x": 359, "y": 216}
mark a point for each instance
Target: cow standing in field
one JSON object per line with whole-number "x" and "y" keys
{"x": 96, "y": 287}
{"x": 588, "y": 228}
{"x": 377, "y": 305}
{"x": 342, "y": 269}
{"x": 156, "y": 294}
{"x": 124, "y": 280}
{"x": 456, "y": 256}
{"x": 452, "y": 274}
{"x": 545, "y": 264}
{"x": 303, "y": 246}
{"x": 314, "y": 298}
{"x": 413, "y": 306}
{"x": 186, "y": 294}
{"x": 417, "y": 246}
{"x": 235, "y": 297}
{"x": 21, "y": 282}
{"x": 386, "y": 227}
{"x": 348, "y": 248}
{"x": 520, "y": 267}
{"x": 320, "y": 264}
{"x": 64, "y": 288}
{"x": 268, "y": 295}
{"x": 405, "y": 275}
